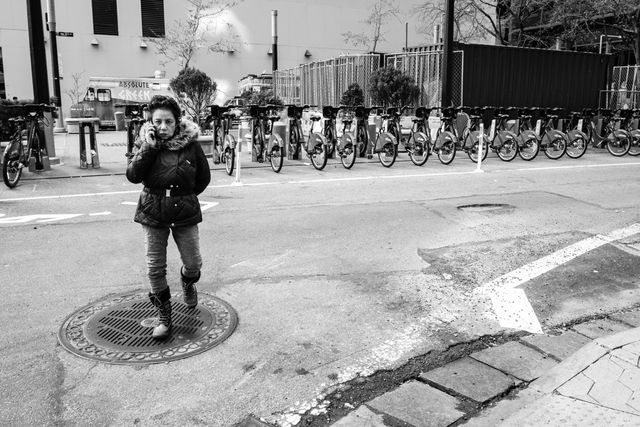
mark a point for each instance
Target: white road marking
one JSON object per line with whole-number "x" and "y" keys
{"x": 511, "y": 305}
{"x": 37, "y": 218}
{"x": 325, "y": 180}
{"x": 100, "y": 213}
{"x": 207, "y": 205}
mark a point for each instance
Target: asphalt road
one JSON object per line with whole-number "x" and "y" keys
{"x": 334, "y": 274}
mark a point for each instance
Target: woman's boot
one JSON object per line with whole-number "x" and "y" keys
{"x": 189, "y": 291}
{"x": 162, "y": 301}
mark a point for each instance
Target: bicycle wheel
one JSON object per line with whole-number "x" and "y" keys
{"x": 293, "y": 146}
{"x": 328, "y": 133}
{"x": 11, "y": 166}
{"x": 275, "y": 156}
{"x": 361, "y": 137}
{"x": 229, "y": 160}
{"x": 419, "y": 153}
{"x": 529, "y": 149}
{"x": 556, "y": 148}
{"x": 38, "y": 149}
{"x": 475, "y": 147}
{"x": 348, "y": 156}
{"x": 634, "y": 148}
{"x": 388, "y": 154}
{"x": 447, "y": 152}
{"x": 319, "y": 156}
{"x": 509, "y": 150}
{"x": 258, "y": 145}
{"x": 619, "y": 146}
{"x": 577, "y": 147}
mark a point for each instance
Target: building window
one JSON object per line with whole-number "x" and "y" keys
{"x": 152, "y": 18}
{"x": 105, "y": 17}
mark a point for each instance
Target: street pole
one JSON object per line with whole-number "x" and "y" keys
{"x": 447, "y": 58}
{"x": 53, "y": 39}
{"x": 406, "y": 37}
{"x": 39, "y": 75}
{"x": 274, "y": 36}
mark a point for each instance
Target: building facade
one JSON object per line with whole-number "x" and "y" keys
{"x": 115, "y": 38}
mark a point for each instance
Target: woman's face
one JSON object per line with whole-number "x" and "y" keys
{"x": 164, "y": 123}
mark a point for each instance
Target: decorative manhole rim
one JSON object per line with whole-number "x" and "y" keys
{"x": 485, "y": 207}
{"x": 79, "y": 318}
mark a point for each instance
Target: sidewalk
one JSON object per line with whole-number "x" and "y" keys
{"x": 521, "y": 383}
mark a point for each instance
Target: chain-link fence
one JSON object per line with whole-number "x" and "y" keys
{"x": 426, "y": 70}
{"x": 323, "y": 83}
{"x": 624, "y": 91}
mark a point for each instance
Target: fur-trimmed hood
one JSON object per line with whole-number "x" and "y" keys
{"x": 188, "y": 132}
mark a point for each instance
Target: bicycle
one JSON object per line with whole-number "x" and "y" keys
{"x": 553, "y": 142}
{"x": 634, "y": 132}
{"x": 274, "y": 147}
{"x": 418, "y": 143}
{"x": 136, "y": 115}
{"x": 220, "y": 121}
{"x": 316, "y": 147}
{"x": 607, "y": 133}
{"x": 446, "y": 142}
{"x": 295, "y": 128}
{"x": 386, "y": 145}
{"x": 528, "y": 144}
{"x": 330, "y": 132}
{"x": 577, "y": 145}
{"x": 362, "y": 133}
{"x": 346, "y": 146}
{"x": 26, "y": 147}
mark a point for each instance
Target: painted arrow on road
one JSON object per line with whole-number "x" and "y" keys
{"x": 511, "y": 305}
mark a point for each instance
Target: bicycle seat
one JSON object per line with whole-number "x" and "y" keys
{"x": 347, "y": 121}
{"x": 385, "y": 116}
{"x": 273, "y": 118}
{"x": 315, "y": 118}
{"x": 423, "y": 112}
{"x": 330, "y": 112}
{"x": 587, "y": 112}
{"x": 362, "y": 112}
{"x": 393, "y": 111}
{"x": 449, "y": 112}
{"x": 605, "y": 112}
{"x": 625, "y": 113}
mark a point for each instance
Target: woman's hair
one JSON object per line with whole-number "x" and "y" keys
{"x": 167, "y": 103}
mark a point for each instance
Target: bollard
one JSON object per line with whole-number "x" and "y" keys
{"x": 89, "y": 156}
{"x": 480, "y": 148}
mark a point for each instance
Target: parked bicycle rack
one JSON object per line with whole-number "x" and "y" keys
{"x": 92, "y": 159}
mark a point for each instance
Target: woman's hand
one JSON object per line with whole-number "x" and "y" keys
{"x": 151, "y": 136}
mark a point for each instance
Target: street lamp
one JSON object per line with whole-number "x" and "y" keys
{"x": 608, "y": 37}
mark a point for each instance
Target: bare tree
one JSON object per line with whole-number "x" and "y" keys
{"x": 381, "y": 11}
{"x": 78, "y": 88}
{"x": 187, "y": 36}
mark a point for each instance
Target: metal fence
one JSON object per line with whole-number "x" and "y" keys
{"x": 426, "y": 70}
{"x": 624, "y": 90}
{"x": 323, "y": 83}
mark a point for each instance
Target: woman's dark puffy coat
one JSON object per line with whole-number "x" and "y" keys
{"x": 178, "y": 165}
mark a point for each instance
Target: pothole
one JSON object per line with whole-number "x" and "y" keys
{"x": 485, "y": 207}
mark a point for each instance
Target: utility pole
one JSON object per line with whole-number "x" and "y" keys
{"x": 39, "y": 75}
{"x": 53, "y": 40}
{"x": 274, "y": 43}
{"x": 447, "y": 58}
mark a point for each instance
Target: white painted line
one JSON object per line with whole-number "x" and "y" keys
{"x": 69, "y": 196}
{"x": 37, "y": 218}
{"x": 577, "y": 166}
{"x": 130, "y": 203}
{"x": 207, "y": 205}
{"x": 100, "y": 213}
{"x": 511, "y": 305}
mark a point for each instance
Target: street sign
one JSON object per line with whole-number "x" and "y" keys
{"x": 65, "y": 34}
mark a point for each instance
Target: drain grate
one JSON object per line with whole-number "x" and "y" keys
{"x": 118, "y": 329}
{"x": 485, "y": 207}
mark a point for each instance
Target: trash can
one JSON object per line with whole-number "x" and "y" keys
{"x": 120, "y": 123}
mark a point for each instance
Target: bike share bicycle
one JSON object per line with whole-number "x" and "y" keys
{"x": 26, "y": 147}
{"x": 136, "y": 114}
{"x": 330, "y": 130}
{"x": 266, "y": 144}
{"x": 617, "y": 141}
{"x": 418, "y": 144}
{"x": 528, "y": 144}
{"x": 220, "y": 119}
{"x": 386, "y": 144}
{"x": 553, "y": 142}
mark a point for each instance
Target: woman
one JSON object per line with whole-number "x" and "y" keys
{"x": 174, "y": 170}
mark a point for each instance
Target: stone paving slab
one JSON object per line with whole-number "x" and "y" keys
{"x": 569, "y": 368}
{"x": 560, "y": 411}
{"x": 599, "y": 328}
{"x": 362, "y": 417}
{"x": 495, "y": 414}
{"x": 516, "y": 359}
{"x": 418, "y": 404}
{"x": 559, "y": 346}
{"x": 470, "y": 378}
{"x": 630, "y": 339}
{"x": 631, "y": 317}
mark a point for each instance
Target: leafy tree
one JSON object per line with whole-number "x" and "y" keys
{"x": 186, "y": 37}
{"x": 353, "y": 95}
{"x": 381, "y": 11}
{"x": 390, "y": 87}
{"x": 262, "y": 97}
{"x": 195, "y": 91}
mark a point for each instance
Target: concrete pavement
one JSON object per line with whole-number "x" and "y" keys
{"x": 533, "y": 381}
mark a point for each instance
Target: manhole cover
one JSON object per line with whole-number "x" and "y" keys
{"x": 484, "y": 207}
{"x": 118, "y": 329}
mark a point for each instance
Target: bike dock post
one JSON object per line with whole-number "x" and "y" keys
{"x": 89, "y": 156}
{"x": 480, "y": 148}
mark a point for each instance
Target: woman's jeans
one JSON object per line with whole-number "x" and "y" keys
{"x": 188, "y": 243}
